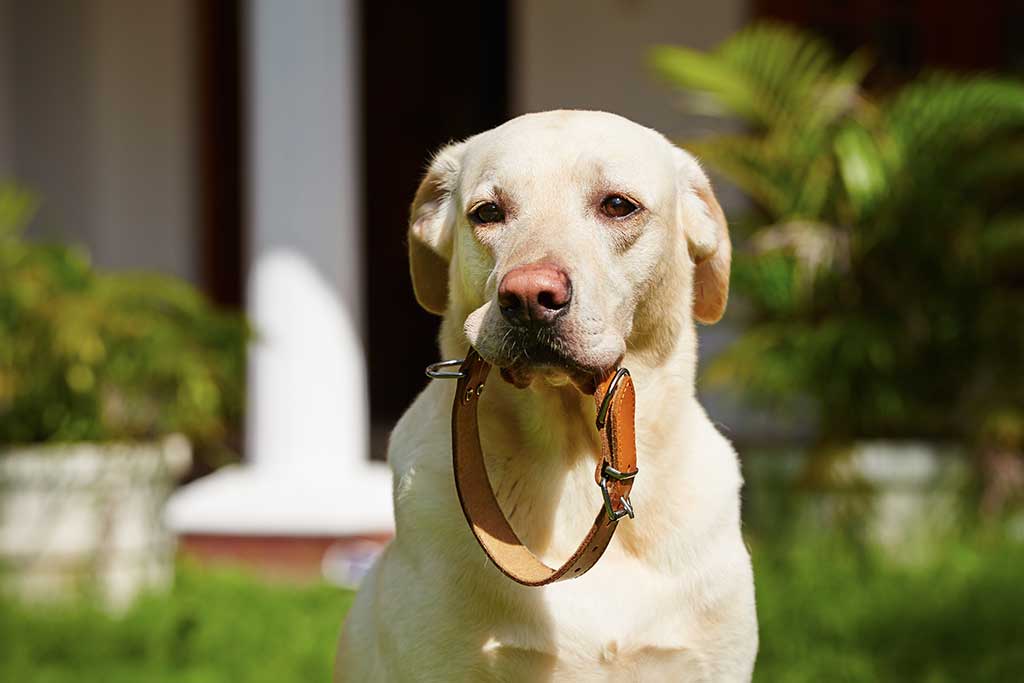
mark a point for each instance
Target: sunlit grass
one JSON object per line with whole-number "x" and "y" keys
{"x": 213, "y": 627}
{"x": 829, "y": 609}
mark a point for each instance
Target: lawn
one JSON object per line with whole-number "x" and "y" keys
{"x": 215, "y": 627}
{"x": 829, "y": 611}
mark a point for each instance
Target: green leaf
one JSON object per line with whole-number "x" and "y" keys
{"x": 769, "y": 75}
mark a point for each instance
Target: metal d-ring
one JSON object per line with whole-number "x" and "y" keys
{"x": 437, "y": 371}
{"x": 606, "y": 402}
{"x": 609, "y": 472}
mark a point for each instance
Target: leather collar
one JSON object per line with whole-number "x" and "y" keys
{"x": 615, "y": 399}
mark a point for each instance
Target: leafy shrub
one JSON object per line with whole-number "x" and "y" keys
{"x": 88, "y": 355}
{"x": 881, "y": 268}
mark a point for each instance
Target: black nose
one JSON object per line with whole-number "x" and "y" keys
{"x": 536, "y": 293}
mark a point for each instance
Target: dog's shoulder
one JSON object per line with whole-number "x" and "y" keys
{"x": 420, "y": 455}
{"x": 422, "y": 436}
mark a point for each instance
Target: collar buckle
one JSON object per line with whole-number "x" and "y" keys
{"x": 609, "y": 472}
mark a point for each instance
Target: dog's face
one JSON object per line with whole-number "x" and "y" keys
{"x": 546, "y": 236}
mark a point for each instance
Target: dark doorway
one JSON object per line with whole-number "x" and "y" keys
{"x": 432, "y": 72}
{"x": 219, "y": 34}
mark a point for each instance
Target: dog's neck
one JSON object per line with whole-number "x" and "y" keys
{"x": 541, "y": 447}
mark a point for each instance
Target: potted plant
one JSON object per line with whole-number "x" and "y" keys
{"x": 104, "y": 380}
{"x": 879, "y": 270}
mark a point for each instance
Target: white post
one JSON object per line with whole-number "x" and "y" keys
{"x": 308, "y": 426}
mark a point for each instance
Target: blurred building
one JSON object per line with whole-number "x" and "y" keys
{"x": 268, "y": 152}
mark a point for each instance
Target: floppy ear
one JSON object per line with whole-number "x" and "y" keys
{"x": 430, "y": 230}
{"x": 707, "y": 237}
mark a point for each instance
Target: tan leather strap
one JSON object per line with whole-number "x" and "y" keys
{"x": 615, "y": 475}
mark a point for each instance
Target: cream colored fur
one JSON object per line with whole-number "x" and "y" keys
{"x": 673, "y": 597}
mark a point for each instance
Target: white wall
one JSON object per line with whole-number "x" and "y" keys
{"x": 145, "y": 114}
{"x": 591, "y": 54}
{"x": 5, "y": 91}
{"x": 100, "y": 122}
{"x": 49, "y": 66}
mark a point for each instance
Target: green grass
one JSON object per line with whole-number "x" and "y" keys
{"x": 832, "y": 612}
{"x": 214, "y": 627}
{"x": 829, "y": 611}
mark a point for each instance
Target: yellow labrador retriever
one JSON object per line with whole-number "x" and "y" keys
{"x": 560, "y": 245}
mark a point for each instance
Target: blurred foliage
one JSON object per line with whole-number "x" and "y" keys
{"x": 829, "y": 610}
{"x": 883, "y": 267}
{"x": 833, "y": 610}
{"x": 214, "y": 627}
{"x": 93, "y": 356}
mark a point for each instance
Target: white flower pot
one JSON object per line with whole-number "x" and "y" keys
{"x": 86, "y": 519}
{"x": 914, "y": 490}
{"x": 900, "y": 495}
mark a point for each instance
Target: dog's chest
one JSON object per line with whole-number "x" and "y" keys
{"x": 606, "y": 623}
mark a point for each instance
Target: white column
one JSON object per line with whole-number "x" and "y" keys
{"x": 308, "y": 426}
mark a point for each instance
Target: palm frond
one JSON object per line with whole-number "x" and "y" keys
{"x": 768, "y": 74}
{"x": 787, "y": 178}
{"x": 861, "y": 167}
{"x": 751, "y": 163}
{"x": 884, "y": 279}
{"x": 932, "y": 120}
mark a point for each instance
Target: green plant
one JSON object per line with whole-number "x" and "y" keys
{"x": 215, "y": 626}
{"x": 881, "y": 268}
{"x": 828, "y": 611}
{"x": 89, "y": 355}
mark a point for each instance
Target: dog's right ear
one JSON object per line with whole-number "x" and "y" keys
{"x": 431, "y": 223}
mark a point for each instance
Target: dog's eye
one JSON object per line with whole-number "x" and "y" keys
{"x": 617, "y": 206}
{"x": 488, "y": 212}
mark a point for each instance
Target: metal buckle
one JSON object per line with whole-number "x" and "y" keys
{"x": 606, "y": 402}
{"x": 437, "y": 371}
{"x": 609, "y": 472}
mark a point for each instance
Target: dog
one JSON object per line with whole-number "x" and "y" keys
{"x": 561, "y": 245}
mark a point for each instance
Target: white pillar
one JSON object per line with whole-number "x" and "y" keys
{"x": 308, "y": 471}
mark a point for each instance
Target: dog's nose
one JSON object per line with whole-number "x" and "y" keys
{"x": 535, "y": 293}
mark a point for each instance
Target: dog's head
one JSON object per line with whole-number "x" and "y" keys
{"x": 549, "y": 238}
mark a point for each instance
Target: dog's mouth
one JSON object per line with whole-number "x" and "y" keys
{"x": 566, "y": 350}
{"x": 543, "y": 355}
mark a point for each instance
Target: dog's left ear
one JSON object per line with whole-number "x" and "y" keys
{"x": 707, "y": 237}
{"x": 431, "y": 224}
